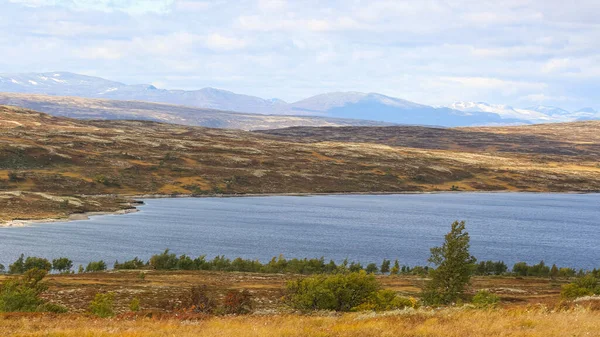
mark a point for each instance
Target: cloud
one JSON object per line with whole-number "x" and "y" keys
{"x": 430, "y": 51}
{"x": 128, "y": 6}
{"x": 218, "y": 42}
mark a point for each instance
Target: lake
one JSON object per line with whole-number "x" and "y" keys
{"x": 557, "y": 228}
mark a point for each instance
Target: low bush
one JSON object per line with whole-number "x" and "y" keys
{"x": 198, "y": 300}
{"x": 237, "y": 302}
{"x": 134, "y": 305}
{"x": 485, "y": 299}
{"x": 585, "y": 286}
{"x": 340, "y": 292}
{"x": 103, "y": 305}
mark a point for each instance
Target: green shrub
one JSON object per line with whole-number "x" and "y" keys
{"x": 95, "y": 266}
{"x": 134, "y": 305}
{"x": 485, "y": 299}
{"x": 17, "y": 267}
{"x": 23, "y": 295}
{"x": 385, "y": 300}
{"x": 131, "y": 264}
{"x": 102, "y": 305}
{"x": 163, "y": 261}
{"x": 585, "y": 286}
{"x": 341, "y": 292}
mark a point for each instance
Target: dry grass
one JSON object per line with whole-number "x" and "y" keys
{"x": 457, "y": 322}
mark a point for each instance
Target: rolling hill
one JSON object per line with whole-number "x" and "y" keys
{"x": 45, "y": 160}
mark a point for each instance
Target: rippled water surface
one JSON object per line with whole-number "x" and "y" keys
{"x": 558, "y": 228}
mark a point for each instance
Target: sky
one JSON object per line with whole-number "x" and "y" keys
{"x": 516, "y": 52}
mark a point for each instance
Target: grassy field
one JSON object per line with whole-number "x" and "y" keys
{"x": 61, "y": 162}
{"x": 158, "y": 288}
{"x": 455, "y": 323}
{"x": 529, "y": 307}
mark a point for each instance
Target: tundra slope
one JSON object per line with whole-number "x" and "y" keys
{"x": 59, "y": 156}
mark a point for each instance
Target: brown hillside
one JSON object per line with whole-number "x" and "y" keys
{"x": 60, "y": 156}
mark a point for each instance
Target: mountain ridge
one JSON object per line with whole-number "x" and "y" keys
{"x": 350, "y": 104}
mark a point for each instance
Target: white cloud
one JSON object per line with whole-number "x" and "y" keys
{"x": 272, "y": 5}
{"x": 217, "y": 41}
{"x": 129, "y": 6}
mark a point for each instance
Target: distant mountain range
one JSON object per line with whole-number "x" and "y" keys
{"x": 109, "y": 109}
{"x": 534, "y": 114}
{"x": 352, "y": 105}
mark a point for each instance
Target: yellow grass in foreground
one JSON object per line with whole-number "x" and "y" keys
{"x": 448, "y": 322}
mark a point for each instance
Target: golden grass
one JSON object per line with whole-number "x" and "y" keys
{"x": 447, "y": 322}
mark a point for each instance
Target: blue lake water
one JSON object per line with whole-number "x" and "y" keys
{"x": 557, "y": 228}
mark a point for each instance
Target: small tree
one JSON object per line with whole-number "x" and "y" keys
{"x": 554, "y": 271}
{"x": 62, "y": 264}
{"x": 385, "y": 266}
{"x": 396, "y": 268}
{"x": 95, "y": 266}
{"x": 455, "y": 265}
{"x": 2, "y": 268}
{"x": 17, "y": 267}
{"x": 37, "y": 262}
{"x": 371, "y": 268}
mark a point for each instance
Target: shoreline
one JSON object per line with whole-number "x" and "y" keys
{"x": 71, "y": 217}
{"x": 135, "y": 201}
{"x": 308, "y": 194}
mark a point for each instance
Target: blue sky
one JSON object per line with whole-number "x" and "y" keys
{"x": 517, "y": 52}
